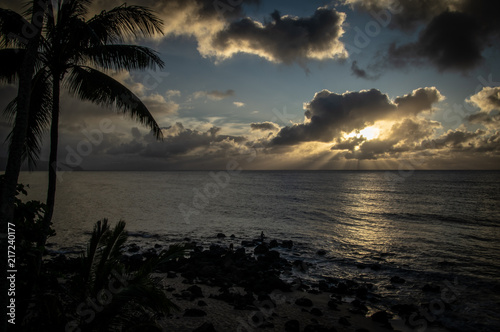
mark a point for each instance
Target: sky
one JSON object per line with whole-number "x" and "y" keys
{"x": 313, "y": 85}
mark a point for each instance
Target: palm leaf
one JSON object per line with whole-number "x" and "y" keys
{"x": 125, "y": 22}
{"x": 12, "y": 58}
{"x": 11, "y": 29}
{"x": 39, "y": 116}
{"x": 128, "y": 57}
{"x": 92, "y": 85}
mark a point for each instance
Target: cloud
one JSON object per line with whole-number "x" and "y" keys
{"x": 264, "y": 126}
{"x": 173, "y": 93}
{"x": 329, "y": 114}
{"x": 285, "y": 39}
{"x": 488, "y": 102}
{"x": 238, "y": 104}
{"x": 214, "y": 95}
{"x": 158, "y": 106}
{"x": 455, "y": 36}
{"x": 488, "y": 99}
{"x": 419, "y": 100}
{"x": 361, "y": 73}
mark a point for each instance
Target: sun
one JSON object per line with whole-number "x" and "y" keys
{"x": 370, "y": 132}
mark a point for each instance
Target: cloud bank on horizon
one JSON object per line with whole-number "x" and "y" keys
{"x": 429, "y": 124}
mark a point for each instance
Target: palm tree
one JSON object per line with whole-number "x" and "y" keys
{"x": 78, "y": 53}
{"x": 11, "y": 34}
{"x": 135, "y": 299}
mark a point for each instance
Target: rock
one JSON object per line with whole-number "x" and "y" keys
{"x": 318, "y": 328}
{"x": 287, "y": 244}
{"x": 194, "y": 312}
{"x": 133, "y": 248}
{"x": 135, "y": 259}
{"x": 404, "y": 310}
{"x": 171, "y": 275}
{"x": 292, "y": 326}
{"x": 202, "y": 303}
{"x": 321, "y": 252}
{"x": 187, "y": 239}
{"x": 232, "y": 236}
{"x": 246, "y": 243}
{"x": 381, "y": 317}
{"x": 344, "y": 321}
{"x": 332, "y": 304}
{"x": 221, "y": 235}
{"x": 195, "y": 291}
{"x": 316, "y": 312}
{"x": 157, "y": 246}
{"x": 261, "y": 249}
{"x": 397, "y": 280}
{"x": 431, "y": 288}
{"x": 273, "y": 244}
{"x": 375, "y": 267}
{"x": 205, "y": 327}
{"x": 362, "y": 292}
{"x": 304, "y": 302}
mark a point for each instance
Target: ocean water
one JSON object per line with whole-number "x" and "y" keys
{"x": 426, "y": 227}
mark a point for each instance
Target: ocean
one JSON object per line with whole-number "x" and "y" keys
{"x": 427, "y": 227}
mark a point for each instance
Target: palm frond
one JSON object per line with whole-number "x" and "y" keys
{"x": 13, "y": 59}
{"x": 39, "y": 116}
{"x": 124, "y": 22}
{"x": 92, "y": 85}
{"x": 117, "y": 57}
{"x": 11, "y": 29}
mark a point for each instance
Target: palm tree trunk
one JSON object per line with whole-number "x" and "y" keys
{"x": 14, "y": 161}
{"x": 54, "y": 138}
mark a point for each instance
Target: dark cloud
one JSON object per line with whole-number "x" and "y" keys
{"x": 419, "y": 100}
{"x": 455, "y": 36}
{"x": 286, "y": 39}
{"x": 264, "y": 126}
{"x": 361, "y": 73}
{"x": 330, "y": 114}
{"x": 349, "y": 144}
{"x": 452, "y": 40}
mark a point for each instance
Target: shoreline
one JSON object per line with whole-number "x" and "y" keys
{"x": 243, "y": 288}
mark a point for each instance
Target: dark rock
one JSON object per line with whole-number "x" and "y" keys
{"x": 171, "y": 274}
{"x": 187, "y": 239}
{"x": 381, "y": 317}
{"x": 362, "y": 292}
{"x": 404, "y": 310}
{"x": 287, "y": 244}
{"x": 397, "y": 280}
{"x": 202, "y": 303}
{"x": 292, "y": 326}
{"x": 261, "y": 249}
{"x": 221, "y": 235}
{"x": 205, "y": 327}
{"x": 316, "y": 312}
{"x": 344, "y": 321}
{"x": 133, "y": 248}
{"x": 157, "y": 246}
{"x": 332, "y": 304}
{"x": 245, "y": 243}
{"x": 135, "y": 259}
{"x": 321, "y": 252}
{"x": 304, "y": 302}
{"x": 375, "y": 267}
{"x": 195, "y": 291}
{"x": 273, "y": 244}
{"x": 194, "y": 312}
{"x": 232, "y": 236}
{"x": 431, "y": 288}
{"x": 318, "y": 328}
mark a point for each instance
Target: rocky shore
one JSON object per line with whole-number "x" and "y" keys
{"x": 229, "y": 286}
